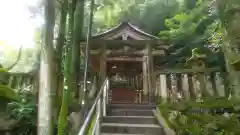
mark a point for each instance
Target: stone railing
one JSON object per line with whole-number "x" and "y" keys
{"x": 18, "y": 80}
{"x": 188, "y": 83}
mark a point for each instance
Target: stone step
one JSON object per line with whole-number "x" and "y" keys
{"x": 120, "y": 128}
{"x": 130, "y": 119}
{"x": 130, "y": 112}
{"x": 131, "y": 106}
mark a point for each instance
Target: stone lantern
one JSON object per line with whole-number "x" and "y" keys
{"x": 196, "y": 62}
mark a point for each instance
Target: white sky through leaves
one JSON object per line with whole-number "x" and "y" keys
{"x": 16, "y": 25}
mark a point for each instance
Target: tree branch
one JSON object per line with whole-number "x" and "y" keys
{"x": 17, "y": 60}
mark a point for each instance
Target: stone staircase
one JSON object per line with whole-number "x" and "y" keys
{"x": 129, "y": 119}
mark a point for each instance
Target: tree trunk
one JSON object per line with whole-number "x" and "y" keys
{"x": 77, "y": 36}
{"x": 47, "y": 80}
{"x": 229, "y": 13}
{"x": 233, "y": 78}
{"x": 68, "y": 48}
{"x": 59, "y": 47}
{"x": 62, "y": 119}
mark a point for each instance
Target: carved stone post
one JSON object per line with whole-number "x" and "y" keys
{"x": 175, "y": 93}
{"x": 179, "y": 85}
{"x": 157, "y": 86}
{"x": 163, "y": 86}
{"x": 10, "y": 81}
{"x": 213, "y": 81}
{"x": 190, "y": 86}
{"x": 202, "y": 80}
{"x": 185, "y": 86}
{"x": 220, "y": 85}
{"x": 169, "y": 86}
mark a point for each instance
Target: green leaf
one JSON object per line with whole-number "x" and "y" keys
{"x": 3, "y": 70}
{"x": 8, "y": 92}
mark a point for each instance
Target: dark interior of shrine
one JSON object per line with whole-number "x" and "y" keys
{"x": 124, "y": 67}
{"x": 126, "y": 80}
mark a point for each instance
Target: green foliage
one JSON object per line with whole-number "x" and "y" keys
{"x": 210, "y": 116}
{"x": 90, "y": 129}
{"x": 228, "y": 14}
{"x": 26, "y": 61}
{"x": 62, "y": 120}
{"x": 191, "y": 28}
{"x": 147, "y": 15}
{"x": 8, "y": 93}
{"x": 24, "y": 113}
{"x": 3, "y": 70}
{"x": 5, "y": 91}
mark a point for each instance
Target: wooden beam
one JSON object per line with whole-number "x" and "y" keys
{"x": 132, "y": 42}
{"x": 166, "y": 71}
{"x": 122, "y": 52}
{"x": 97, "y": 43}
{"x": 124, "y": 59}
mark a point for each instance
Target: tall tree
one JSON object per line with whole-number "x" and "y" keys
{"x": 68, "y": 47}
{"x": 47, "y": 81}
{"x": 228, "y": 13}
{"x": 189, "y": 29}
{"x": 60, "y": 43}
{"x": 62, "y": 93}
{"x": 148, "y": 15}
{"x": 77, "y": 37}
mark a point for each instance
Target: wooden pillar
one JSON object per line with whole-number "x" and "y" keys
{"x": 145, "y": 79}
{"x": 150, "y": 73}
{"x": 102, "y": 73}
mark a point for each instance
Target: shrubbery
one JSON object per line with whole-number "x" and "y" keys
{"x": 210, "y": 116}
